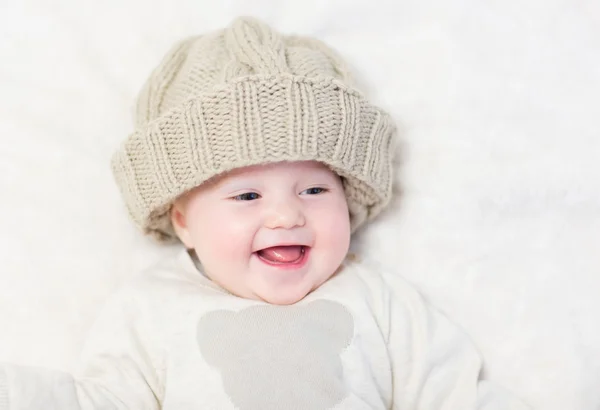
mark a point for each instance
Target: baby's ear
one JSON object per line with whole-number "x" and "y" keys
{"x": 180, "y": 225}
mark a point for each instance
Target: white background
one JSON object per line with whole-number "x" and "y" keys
{"x": 499, "y": 221}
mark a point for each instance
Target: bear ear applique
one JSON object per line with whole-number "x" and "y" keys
{"x": 333, "y": 317}
{"x": 216, "y": 335}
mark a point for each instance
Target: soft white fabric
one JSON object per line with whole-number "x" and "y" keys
{"x": 172, "y": 339}
{"x": 499, "y": 224}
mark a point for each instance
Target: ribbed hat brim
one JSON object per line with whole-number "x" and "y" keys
{"x": 256, "y": 120}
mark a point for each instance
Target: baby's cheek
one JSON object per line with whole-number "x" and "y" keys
{"x": 341, "y": 229}
{"x": 332, "y": 226}
{"x": 335, "y": 219}
{"x": 228, "y": 237}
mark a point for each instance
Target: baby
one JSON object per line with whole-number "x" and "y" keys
{"x": 254, "y": 151}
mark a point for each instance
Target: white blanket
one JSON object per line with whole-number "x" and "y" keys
{"x": 498, "y": 223}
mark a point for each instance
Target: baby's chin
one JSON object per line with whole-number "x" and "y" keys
{"x": 282, "y": 297}
{"x": 283, "y": 300}
{"x": 289, "y": 295}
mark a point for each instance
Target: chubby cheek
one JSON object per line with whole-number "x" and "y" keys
{"x": 222, "y": 237}
{"x": 332, "y": 228}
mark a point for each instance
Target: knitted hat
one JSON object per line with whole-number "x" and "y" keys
{"x": 246, "y": 95}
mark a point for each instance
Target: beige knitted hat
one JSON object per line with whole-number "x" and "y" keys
{"x": 246, "y": 95}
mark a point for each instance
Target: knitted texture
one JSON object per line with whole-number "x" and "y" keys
{"x": 246, "y": 95}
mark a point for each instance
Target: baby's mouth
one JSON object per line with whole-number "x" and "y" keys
{"x": 280, "y": 255}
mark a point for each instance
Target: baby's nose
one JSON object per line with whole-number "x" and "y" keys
{"x": 286, "y": 215}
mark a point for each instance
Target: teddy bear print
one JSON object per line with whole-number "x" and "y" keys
{"x": 279, "y": 357}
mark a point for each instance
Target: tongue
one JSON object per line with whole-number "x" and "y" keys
{"x": 282, "y": 254}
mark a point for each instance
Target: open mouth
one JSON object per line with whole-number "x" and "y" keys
{"x": 289, "y": 255}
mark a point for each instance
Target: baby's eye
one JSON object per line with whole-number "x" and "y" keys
{"x": 314, "y": 191}
{"x": 248, "y": 196}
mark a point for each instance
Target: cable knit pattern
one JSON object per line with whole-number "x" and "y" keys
{"x": 243, "y": 96}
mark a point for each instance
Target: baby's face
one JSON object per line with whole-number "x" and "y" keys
{"x": 270, "y": 232}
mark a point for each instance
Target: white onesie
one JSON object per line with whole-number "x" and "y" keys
{"x": 171, "y": 339}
